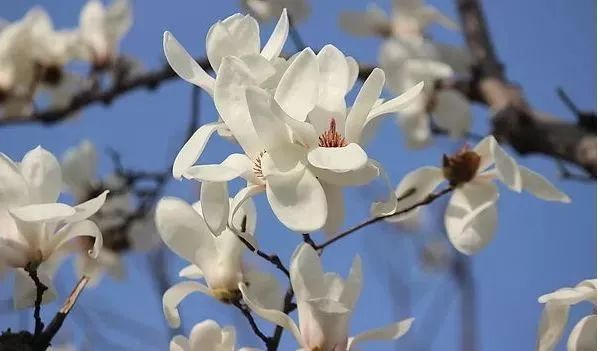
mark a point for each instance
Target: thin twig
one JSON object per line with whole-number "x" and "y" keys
{"x": 39, "y": 294}
{"x": 247, "y": 313}
{"x": 308, "y": 240}
{"x": 273, "y": 258}
{"x": 428, "y": 199}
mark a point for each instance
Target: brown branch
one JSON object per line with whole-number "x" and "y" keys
{"x": 247, "y": 313}
{"x": 514, "y": 122}
{"x": 148, "y": 80}
{"x": 43, "y": 342}
{"x": 288, "y": 307}
{"x": 40, "y": 288}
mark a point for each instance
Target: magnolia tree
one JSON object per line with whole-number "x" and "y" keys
{"x": 300, "y": 121}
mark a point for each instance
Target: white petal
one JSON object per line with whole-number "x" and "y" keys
{"x": 570, "y": 296}
{"x": 191, "y": 272}
{"x": 365, "y": 100}
{"x": 215, "y": 205}
{"x": 74, "y": 230}
{"x": 278, "y": 37}
{"x": 307, "y": 276}
{"x": 423, "y": 180}
{"x": 540, "y": 187}
{"x": 338, "y": 159}
{"x": 182, "y": 229}
{"x": 336, "y": 208}
{"x": 13, "y": 187}
{"x": 269, "y": 127}
{"x": 507, "y": 169}
{"x": 360, "y": 176}
{"x": 173, "y": 297}
{"x": 231, "y": 103}
{"x": 391, "y": 332}
{"x": 353, "y": 72}
{"x": 206, "y": 335}
{"x": 42, "y": 172}
{"x": 265, "y": 288}
{"x": 260, "y": 68}
{"x": 49, "y": 212}
{"x": 334, "y": 79}
{"x": 193, "y": 148}
{"x": 353, "y": 284}
{"x": 297, "y": 91}
{"x": 552, "y": 324}
{"x": 239, "y": 202}
{"x": 185, "y": 66}
{"x": 394, "y": 105}
{"x": 235, "y": 165}
{"x": 583, "y": 335}
{"x": 179, "y": 343}
{"x": 296, "y": 197}
{"x": 88, "y": 208}
{"x": 416, "y": 129}
{"x": 471, "y": 217}
{"x": 270, "y": 315}
{"x": 79, "y": 166}
{"x": 485, "y": 149}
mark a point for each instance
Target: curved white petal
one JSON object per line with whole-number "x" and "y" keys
{"x": 74, "y": 230}
{"x": 269, "y": 127}
{"x": 260, "y": 68}
{"x": 336, "y": 208}
{"x": 235, "y": 165}
{"x": 365, "y": 100}
{"x": 353, "y": 72}
{"x": 540, "y": 187}
{"x": 185, "y": 66}
{"x": 275, "y": 43}
{"x": 193, "y": 148}
{"x": 394, "y": 105}
{"x": 333, "y": 82}
{"x": 88, "y": 208}
{"x": 297, "y": 91}
{"x": 173, "y": 297}
{"x": 215, "y": 205}
{"x": 240, "y": 201}
{"x": 390, "y": 332}
{"x": 206, "y": 335}
{"x": 265, "y": 288}
{"x": 183, "y": 230}
{"x": 583, "y": 335}
{"x": 338, "y": 159}
{"x": 191, "y": 272}
{"x": 471, "y": 217}
{"x": 13, "y": 187}
{"x": 485, "y": 150}
{"x": 296, "y": 197}
{"x": 452, "y": 113}
{"x": 48, "y": 212}
{"x": 179, "y": 343}
{"x": 552, "y": 324}
{"x": 414, "y": 188}
{"x": 231, "y": 103}
{"x": 42, "y": 172}
{"x": 307, "y": 276}
{"x": 352, "y": 285}
{"x": 507, "y": 169}
{"x": 360, "y": 176}
{"x": 270, "y": 315}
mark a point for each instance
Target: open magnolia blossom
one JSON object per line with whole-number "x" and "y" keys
{"x": 207, "y": 336}
{"x": 325, "y": 303}
{"x": 409, "y": 18}
{"x": 471, "y": 215}
{"x": 556, "y": 313}
{"x": 266, "y": 10}
{"x": 237, "y": 36}
{"x": 101, "y": 30}
{"x": 34, "y": 227}
{"x": 218, "y": 260}
{"x": 410, "y": 62}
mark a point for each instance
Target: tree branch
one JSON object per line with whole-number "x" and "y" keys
{"x": 514, "y": 122}
{"x": 247, "y": 313}
{"x": 40, "y": 288}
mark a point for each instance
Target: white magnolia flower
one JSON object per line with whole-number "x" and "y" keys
{"x": 409, "y": 62}
{"x": 207, "y": 336}
{"x": 101, "y": 30}
{"x": 325, "y": 303}
{"x": 556, "y": 313}
{"x": 266, "y": 10}
{"x": 237, "y": 36}
{"x": 271, "y": 162}
{"x": 471, "y": 215}
{"x": 409, "y": 18}
{"x": 216, "y": 259}
{"x": 35, "y": 227}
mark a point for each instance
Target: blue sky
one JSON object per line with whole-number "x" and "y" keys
{"x": 538, "y": 246}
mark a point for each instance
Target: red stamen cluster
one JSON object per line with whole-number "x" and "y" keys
{"x": 332, "y": 138}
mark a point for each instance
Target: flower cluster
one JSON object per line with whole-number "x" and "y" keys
{"x": 35, "y": 228}
{"x": 410, "y": 57}
{"x": 33, "y": 54}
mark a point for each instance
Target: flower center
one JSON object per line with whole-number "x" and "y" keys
{"x": 461, "y": 167}
{"x": 257, "y": 166}
{"x": 332, "y": 138}
{"x": 227, "y": 296}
